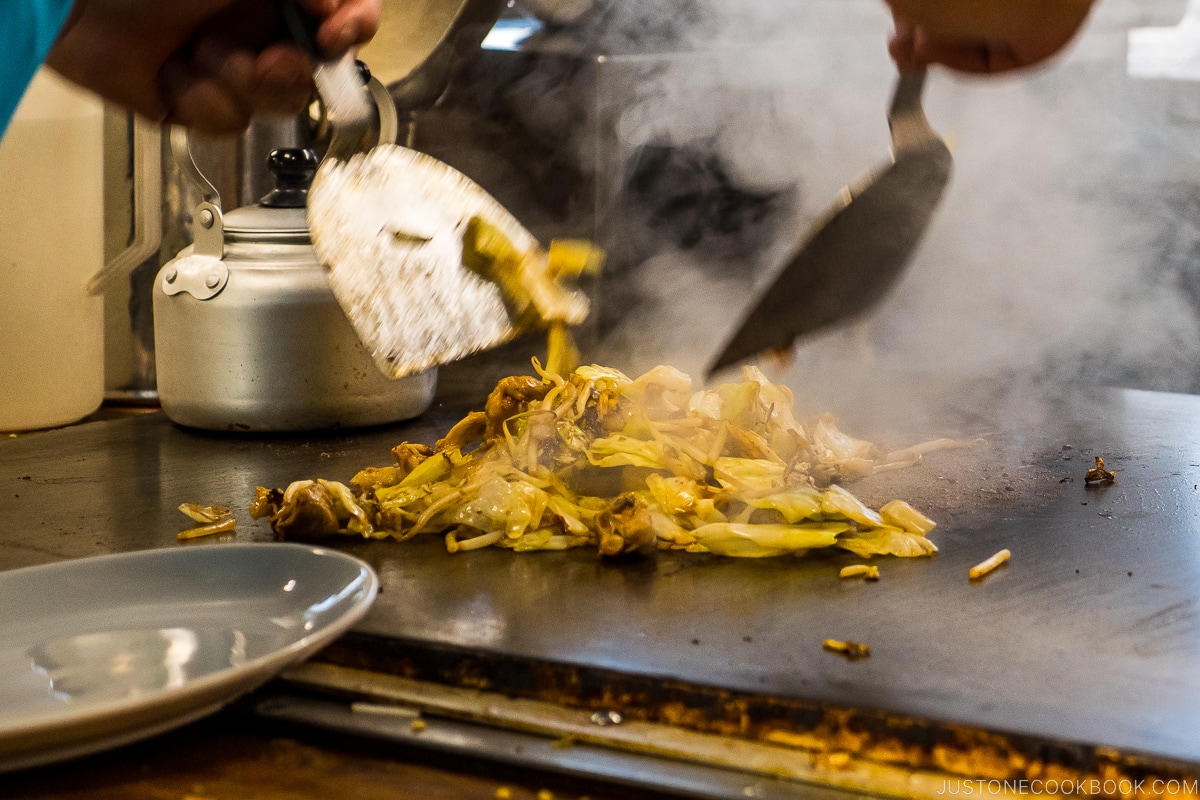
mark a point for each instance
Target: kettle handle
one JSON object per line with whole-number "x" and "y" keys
{"x": 389, "y": 118}
{"x": 347, "y": 140}
{"x": 209, "y": 222}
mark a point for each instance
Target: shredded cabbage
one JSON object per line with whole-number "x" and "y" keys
{"x": 535, "y": 285}
{"x": 595, "y": 459}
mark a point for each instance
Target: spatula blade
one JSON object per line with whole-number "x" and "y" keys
{"x": 855, "y": 255}
{"x": 388, "y": 226}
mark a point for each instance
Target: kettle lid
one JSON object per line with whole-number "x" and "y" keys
{"x": 282, "y": 211}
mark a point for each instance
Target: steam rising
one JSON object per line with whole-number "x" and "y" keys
{"x": 1065, "y": 254}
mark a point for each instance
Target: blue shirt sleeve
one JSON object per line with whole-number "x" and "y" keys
{"x": 30, "y": 27}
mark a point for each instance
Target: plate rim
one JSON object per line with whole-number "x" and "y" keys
{"x": 236, "y": 680}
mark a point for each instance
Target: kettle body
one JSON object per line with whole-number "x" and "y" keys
{"x": 272, "y": 351}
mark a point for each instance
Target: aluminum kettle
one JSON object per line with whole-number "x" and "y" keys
{"x": 248, "y": 334}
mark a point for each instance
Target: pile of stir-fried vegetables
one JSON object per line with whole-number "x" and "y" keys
{"x": 600, "y": 460}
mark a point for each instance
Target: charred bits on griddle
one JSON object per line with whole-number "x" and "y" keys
{"x": 1098, "y": 475}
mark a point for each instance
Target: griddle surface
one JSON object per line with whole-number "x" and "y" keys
{"x": 1089, "y": 635}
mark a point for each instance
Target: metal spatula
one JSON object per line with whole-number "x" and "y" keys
{"x": 388, "y": 225}
{"x": 855, "y": 255}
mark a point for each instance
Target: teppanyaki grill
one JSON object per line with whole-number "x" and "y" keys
{"x": 1080, "y": 653}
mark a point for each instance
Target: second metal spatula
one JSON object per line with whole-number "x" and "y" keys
{"x": 855, "y": 255}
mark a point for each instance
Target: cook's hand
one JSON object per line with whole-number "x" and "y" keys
{"x": 208, "y": 64}
{"x": 983, "y": 36}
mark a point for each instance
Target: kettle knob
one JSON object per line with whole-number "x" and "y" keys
{"x": 293, "y": 169}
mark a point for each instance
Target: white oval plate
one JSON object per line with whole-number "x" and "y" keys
{"x": 99, "y": 652}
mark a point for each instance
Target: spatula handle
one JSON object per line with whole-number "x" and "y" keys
{"x": 906, "y": 117}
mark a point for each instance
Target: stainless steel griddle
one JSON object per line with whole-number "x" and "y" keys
{"x": 1089, "y": 638}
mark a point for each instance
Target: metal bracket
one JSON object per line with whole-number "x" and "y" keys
{"x": 209, "y": 230}
{"x": 146, "y": 160}
{"x": 200, "y": 275}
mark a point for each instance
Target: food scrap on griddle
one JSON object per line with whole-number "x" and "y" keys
{"x": 988, "y": 564}
{"x": 851, "y": 650}
{"x": 596, "y": 459}
{"x": 212, "y": 519}
{"x": 867, "y": 572}
{"x": 1099, "y": 474}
